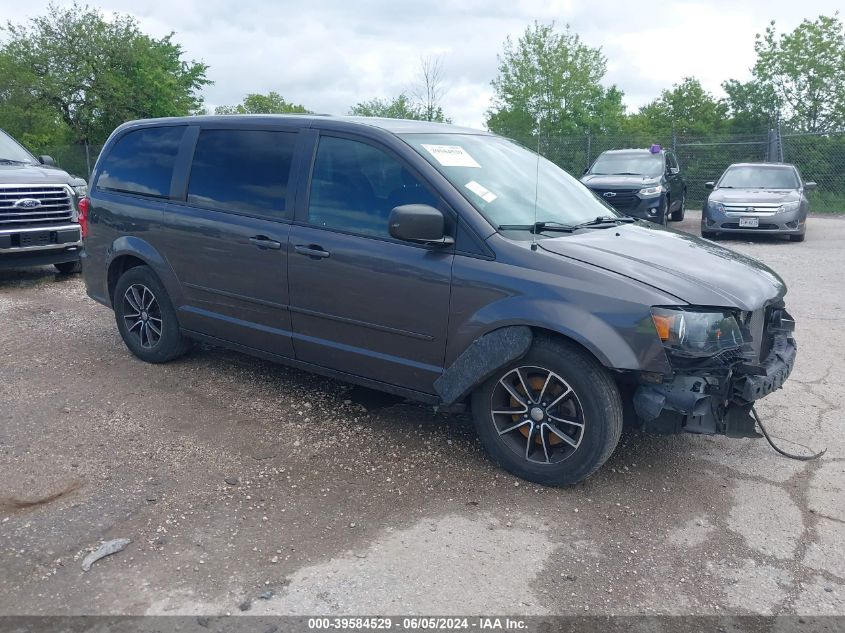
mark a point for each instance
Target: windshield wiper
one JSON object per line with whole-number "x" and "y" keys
{"x": 548, "y": 225}
{"x": 605, "y": 219}
{"x": 545, "y": 225}
{"x": 12, "y": 161}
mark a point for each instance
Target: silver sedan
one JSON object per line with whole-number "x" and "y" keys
{"x": 766, "y": 198}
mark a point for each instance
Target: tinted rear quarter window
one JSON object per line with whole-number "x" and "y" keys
{"x": 242, "y": 171}
{"x": 141, "y": 162}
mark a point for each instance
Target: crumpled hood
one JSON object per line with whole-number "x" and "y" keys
{"x": 751, "y": 196}
{"x": 35, "y": 175}
{"x": 619, "y": 182}
{"x": 696, "y": 271}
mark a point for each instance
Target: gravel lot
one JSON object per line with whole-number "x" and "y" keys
{"x": 249, "y": 486}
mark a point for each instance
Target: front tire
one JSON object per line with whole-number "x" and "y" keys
{"x": 68, "y": 268}
{"x": 678, "y": 216}
{"x": 145, "y": 317}
{"x": 797, "y": 238}
{"x": 663, "y": 213}
{"x": 552, "y": 417}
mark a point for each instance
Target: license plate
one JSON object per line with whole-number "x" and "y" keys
{"x": 751, "y": 223}
{"x": 39, "y": 238}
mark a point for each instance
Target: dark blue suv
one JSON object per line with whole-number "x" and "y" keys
{"x": 641, "y": 183}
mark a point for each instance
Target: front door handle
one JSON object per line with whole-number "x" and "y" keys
{"x": 312, "y": 250}
{"x": 263, "y": 242}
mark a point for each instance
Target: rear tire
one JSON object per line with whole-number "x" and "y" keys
{"x": 525, "y": 434}
{"x": 678, "y": 216}
{"x": 145, "y": 317}
{"x": 69, "y": 268}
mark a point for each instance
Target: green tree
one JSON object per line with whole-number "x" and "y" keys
{"x": 805, "y": 71}
{"x": 751, "y": 106}
{"x": 687, "y": 110}
{"x": 400, "y": 107}
{"x": 549, "y": 83}
{"x": 85, "y": 74}
{"x": 271, "y": 103}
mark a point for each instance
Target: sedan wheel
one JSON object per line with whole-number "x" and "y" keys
{"x": 142, "y": 315}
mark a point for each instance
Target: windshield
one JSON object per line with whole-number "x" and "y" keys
{"x": 759, "y": 177}
{"x": 501, "y": 178}
{"x": 11, "y": 150}
{"x": 644, "y": 164}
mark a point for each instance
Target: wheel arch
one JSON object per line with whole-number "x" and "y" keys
{"x": 129, "y": 251}
{"x": 505, "y": 343}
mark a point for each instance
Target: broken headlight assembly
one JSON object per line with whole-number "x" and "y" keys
{"x": 697, "y": 333}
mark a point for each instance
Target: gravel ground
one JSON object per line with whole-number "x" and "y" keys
{"x": 247, "y": 486}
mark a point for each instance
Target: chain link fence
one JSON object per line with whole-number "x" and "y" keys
{"x": 819, "y": 157}
{"x": 78, "y": 160}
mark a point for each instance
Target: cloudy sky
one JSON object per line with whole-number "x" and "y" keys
{"x": 331, "y": 54}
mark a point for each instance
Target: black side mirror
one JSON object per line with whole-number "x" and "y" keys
{"x": 47, "y": 160}
{"x": 586, "y": 171}
{"x": 709, "y": 185}
{"x": 419, "y": 223}
{"x": 809, "y": 186}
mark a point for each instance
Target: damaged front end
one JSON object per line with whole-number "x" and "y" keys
{"x": 722, "y": 361}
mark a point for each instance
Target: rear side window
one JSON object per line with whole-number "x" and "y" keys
{"x": 141, "y": 162}
{"x": 242, "y": 171}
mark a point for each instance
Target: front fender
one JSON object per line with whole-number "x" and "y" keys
{"x": 620, "y": 340}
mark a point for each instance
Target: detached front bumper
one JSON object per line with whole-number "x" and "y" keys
{"x": 712, "y": 401}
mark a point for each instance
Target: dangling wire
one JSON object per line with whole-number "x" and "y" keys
{"x": 802, "y": 458}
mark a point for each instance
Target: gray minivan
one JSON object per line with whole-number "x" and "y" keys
{"x": 447, "y": 265}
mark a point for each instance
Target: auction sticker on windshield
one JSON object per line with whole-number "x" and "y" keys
{"x": 481, "y": 191}
{"x": 451, "y": 155}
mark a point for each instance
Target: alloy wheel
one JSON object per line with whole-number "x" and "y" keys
{"x": 537, "y": 415}
{"x": 142, "y": 315}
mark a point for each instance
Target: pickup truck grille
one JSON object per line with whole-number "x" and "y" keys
{"x": 34, "y": 205}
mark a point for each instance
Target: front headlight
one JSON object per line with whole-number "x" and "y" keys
{"x": 651, "y": 191}
{"x": 716, "y": 206}
{"x": 696, "y": 333}
{"x": 789, "y": 206}
{"x": 81, "y": 191}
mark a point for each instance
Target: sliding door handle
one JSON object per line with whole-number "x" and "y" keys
{"x": 263, "y": 242}
{"x": 312, "y": 250}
